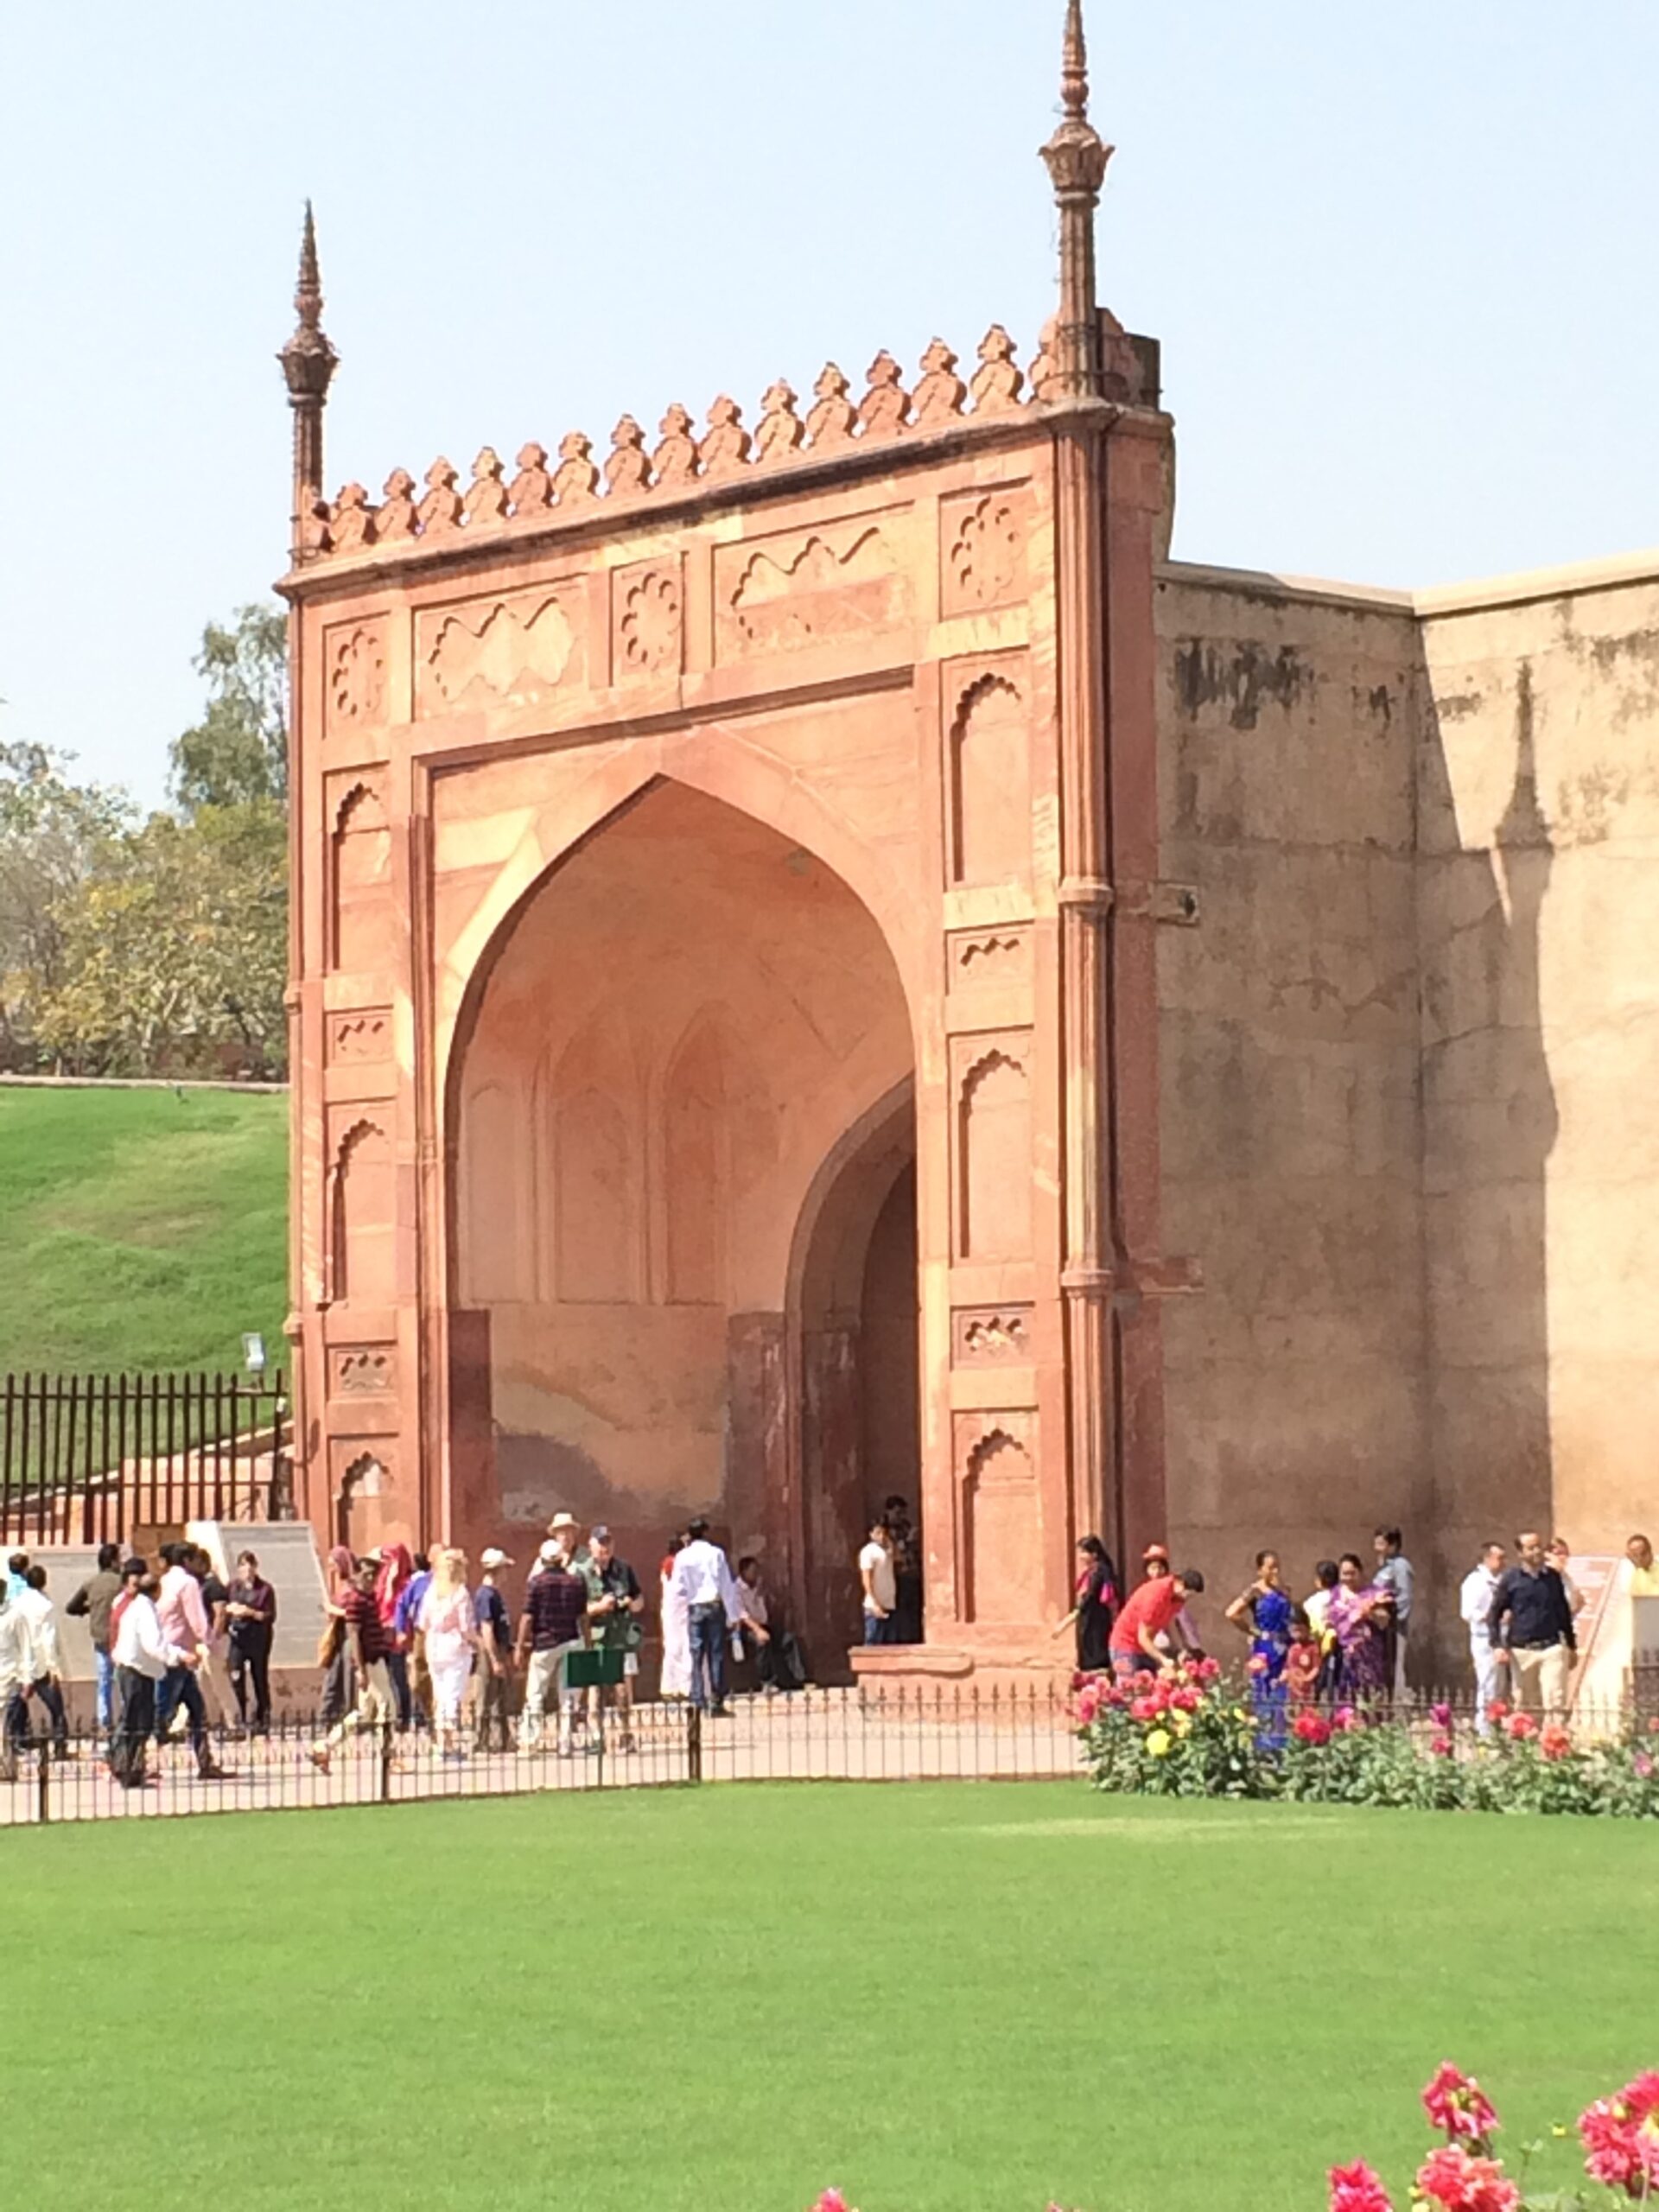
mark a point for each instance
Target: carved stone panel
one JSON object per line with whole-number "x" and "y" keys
{"x": 510, "y": 650}
{"x": 362, "y": 1370}
{"x": 987, "y": 958}
{"x": 648, "y": 617}
{"x": 354, "y": 676}
{"x": 988, "y": 771}
{"x": 982, "y": 546}
{"x": 991, "y": 1336}
{"x": 1001, "y": 1513}
{"x": 992, "y": 1135}
{"x": 359, "y": 1036}
{"x": 811, "y": 587}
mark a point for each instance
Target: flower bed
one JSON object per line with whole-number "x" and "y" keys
{"x": 1192, "y": 1734}
{"x": 1619, "y": 2134}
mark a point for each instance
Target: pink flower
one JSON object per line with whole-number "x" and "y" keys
{"x": 1440, "y": 1715}
{"x": 831, "y": 2200}
{"x": 1112, "y": 1695}
{"x": 1442, "y": 1747}
{"x": 1088, "y": 1702}
{"x": 1358, "y": 2189}
{"x": 1456, "y": 2103}
{"x": 1463, "y": 2184}
{"x": 1344, "y": 1720}
{"x": 1621, "y": 2135}
{"x": 1642, "y": 1764}
{"x": 1208, "y": 1670}
{"x": 1185, "y": 1700}
{"x": 1555, "y": 1742}
{"x": 1144, "y": 1708}
{"x": 1521, "y": 1727}
{"x": 1497, "y": 1710}
{"x": 1653, "y": 1726}
{"x": 1311, "y": 1728}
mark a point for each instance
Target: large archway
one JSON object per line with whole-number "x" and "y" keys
{"x": 677, "y": 1029}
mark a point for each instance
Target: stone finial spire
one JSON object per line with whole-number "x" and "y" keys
{"x": 308, "y": 363}
{"x": 1077, "y": 156}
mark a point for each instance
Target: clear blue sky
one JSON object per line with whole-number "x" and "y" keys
{"x": 1400, "y": 254}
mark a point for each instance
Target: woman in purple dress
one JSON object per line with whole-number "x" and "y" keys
{"x": 1359, "y": 1619}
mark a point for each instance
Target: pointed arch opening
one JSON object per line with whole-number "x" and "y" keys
{"x": 668, "y": 1038}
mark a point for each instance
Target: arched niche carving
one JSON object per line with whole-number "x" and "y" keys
{"x": 591, "y": 1131}
{"x": 994, "y": 1137}
{"x": 359, "y": 1255}
{"x": 363, "y": 1484}
{"x": 497, "y": 1244}
{"x": 990, "y": 783}
{"x": 1002, "y": 1525}
{"x": 359, "y": 881}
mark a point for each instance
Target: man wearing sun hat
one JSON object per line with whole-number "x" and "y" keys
{"x": 495, "y": 1625}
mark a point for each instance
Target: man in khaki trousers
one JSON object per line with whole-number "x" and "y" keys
{"x": 1532, "y": 1631}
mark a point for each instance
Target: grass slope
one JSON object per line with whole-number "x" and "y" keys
{"x": 952, "y": 1998}
{"x": 141, "y": 1229}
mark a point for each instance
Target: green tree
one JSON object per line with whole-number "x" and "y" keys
{"x": 53, "y": 832}
{"x": 238, "y": 753}
{"x": 175, "y": 948}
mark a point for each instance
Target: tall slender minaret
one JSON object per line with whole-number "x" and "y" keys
{"x": 309, "y": 363}
{"x": 1077, "y": 156}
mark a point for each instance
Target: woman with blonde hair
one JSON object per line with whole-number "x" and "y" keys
{"x": 450, "y": 1632}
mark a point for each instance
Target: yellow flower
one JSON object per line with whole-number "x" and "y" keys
{"x": 1158, "y": 1743}
{"x": 1181, "y": 1723}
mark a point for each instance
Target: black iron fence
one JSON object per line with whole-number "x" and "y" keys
{"x": 96, "y": 1459}
{"x": 1025, "y": 1734}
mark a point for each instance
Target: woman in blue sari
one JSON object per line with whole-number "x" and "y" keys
{"x": 1264, "y": 1613}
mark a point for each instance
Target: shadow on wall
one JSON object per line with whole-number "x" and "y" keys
{"x": 1489, "y": 1123}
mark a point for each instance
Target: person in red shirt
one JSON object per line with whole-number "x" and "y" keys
{"x": 1149, "y": 1612}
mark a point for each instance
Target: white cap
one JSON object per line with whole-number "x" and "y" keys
{"x": 493, "y": 1556}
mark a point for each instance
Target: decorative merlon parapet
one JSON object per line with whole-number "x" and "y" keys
{"x": 572, "y": 483}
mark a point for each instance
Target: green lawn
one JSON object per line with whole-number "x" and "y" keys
{"x": 962, "y": 1996}
{"x": 141, "y": 1229}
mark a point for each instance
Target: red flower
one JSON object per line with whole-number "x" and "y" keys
{"x": 1456, "y": 2103}
{"x": 1442, "y": 1747}
{"x": 1463, "y": 2184}
{"x": 1521, "y": 1727}
{"x": 1208, "y": 1670}
{"x": 1112, "y": 1695}
{"x": 1555, "y": 1742}
{"x": 1621, "y": 2137}
{"x": 1144, "y": 1708}
{"x": 1356, "y": 2189}
{"x": 1653, "y": 1726}
{"x": 1497, "y": 1710}
{"x": 1312, "y": 1727}
{"x": 1185, "y": 1701}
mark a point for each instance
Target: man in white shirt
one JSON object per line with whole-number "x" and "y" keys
{"x": 881, "y": 1584}
{"x": 48, "y": 1685}
{"x": 703, "y": 1576}
{"x": 144, "y": 1656}
{"x": 1475, "y": 1604}
{"x": 183, "y": 1614}
{"x": 18, "y": 1669}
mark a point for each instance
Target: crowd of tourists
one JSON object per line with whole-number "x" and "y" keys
{"x": 415, "y": 1640}
{"x": 1346, "y": 1641}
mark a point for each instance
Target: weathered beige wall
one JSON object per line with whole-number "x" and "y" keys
{"x": 1289, "y": 1037}
{"x": 1410, "y": 1063}
{"x": 1538, "y": 929}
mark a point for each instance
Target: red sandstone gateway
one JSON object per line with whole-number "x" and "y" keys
{"x": 726, "y": 1058}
